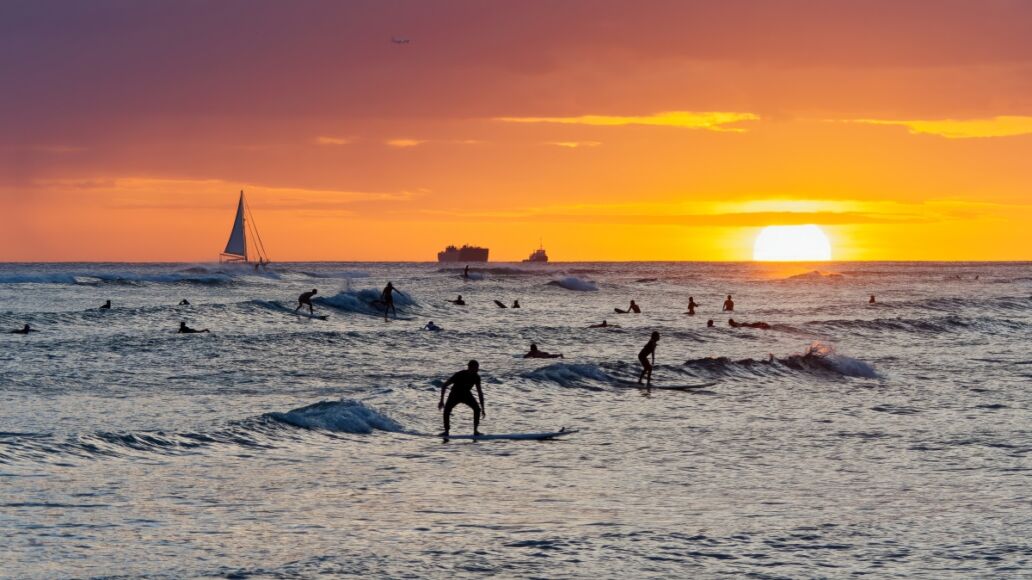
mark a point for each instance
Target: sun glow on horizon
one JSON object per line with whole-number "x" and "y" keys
{"x": 792, "y": 244}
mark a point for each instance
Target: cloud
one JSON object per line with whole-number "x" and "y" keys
{"x": 405, "y": 142}
{"x": 574, "y": 144}
{"x": 1001, "y": 126}
{"x": 709, "y": 120}
{"x": 208, "y": 194}
{"x": 325, "y": 140}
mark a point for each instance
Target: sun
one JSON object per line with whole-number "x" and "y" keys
{"x": 792, "y": 244}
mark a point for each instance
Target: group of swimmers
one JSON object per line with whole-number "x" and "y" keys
{"x": 183, "y": 328}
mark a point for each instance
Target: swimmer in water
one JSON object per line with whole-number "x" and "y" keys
{"x": 105, "y": 306}
{"x": 184, "y": 329}
{"x": 691, "y": 306}
{"x": 431, "y": 326}
{"x": 535, "y": 353}
{"x": 184, "y": 302}
{"x": 515, "y": 304}
{"x": 24, "y": 330}
{"x": 729, "y": 305}
{"x": 462, "y": 392}
{"x": 649, "y": 350}
{"x": 458, "y": 301}
{"x": 871, "y": 301}
{"x": 305, "y": 299}
{"x": 604, "y": 325}
{"x": 709, "y": 323}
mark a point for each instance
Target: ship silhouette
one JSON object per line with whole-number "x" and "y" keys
{"x": 463, "y": 254}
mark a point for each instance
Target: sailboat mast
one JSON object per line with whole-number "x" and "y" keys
{"x": 243, "y": 203}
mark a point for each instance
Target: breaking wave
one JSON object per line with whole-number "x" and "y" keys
{"x": 568, "y": 374}
{"x": 575, "y": 283}
{"x": 819, "y": 358}
{"x": 365, "y": 301}
{"x": 344, "y": 416}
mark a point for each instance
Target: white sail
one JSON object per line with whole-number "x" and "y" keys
{"x": 237, "y": 244}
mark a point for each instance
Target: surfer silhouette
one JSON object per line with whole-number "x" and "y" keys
{"x": 515, "y": 303}
{"x": 691, "y": 306}
{"x": 649, "y": 350}
{"x": 184, "y": 329}
{"x": 387, "y": 297}
{"x": 431, "y": 326}
{"x": 458, "y": 301}
{"x": 535, "y": 353}
{"x": 634, "y": 308}
{"x": 465, "y": 273}
{"x": 729, "y": 305}
{"x": 305, "y": 299}
{"x": 462, "y": 384}
{"x": 604, "y": 325}
{"x": 184, "y": 302}
{"x": 871, "y": 301}
{"x": 709, "y": 323}
{"x": 105, "y": 306}
{"x": 24, "y": 330}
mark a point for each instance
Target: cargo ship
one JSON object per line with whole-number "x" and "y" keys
{"x": 463, "y": 254}
{"x": 539, "y": 255}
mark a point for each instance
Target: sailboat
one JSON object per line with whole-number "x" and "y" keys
{"x": 236, "y": 247}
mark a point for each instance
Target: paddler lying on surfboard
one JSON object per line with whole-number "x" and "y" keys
{"x": 306, "y": 299}
{"x": 604, "y": 325}
{"x": 643, "y": 357}
{"x": 761, "y": 325}
{"x": 184, "y": 329}
{"x": 535, "y": 353}
{"x": 462, "y": 384}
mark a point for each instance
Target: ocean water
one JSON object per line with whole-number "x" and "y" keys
{"x": 890, "y": 439}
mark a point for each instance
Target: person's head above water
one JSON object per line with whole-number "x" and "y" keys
{"x": 473, "y": 365}
{"x": 709, "y": 322}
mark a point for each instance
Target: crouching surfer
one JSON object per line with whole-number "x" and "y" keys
{"x": 305, "y": 299}
{"x": 23, "y": 330}
{"x": 462, "y": 384}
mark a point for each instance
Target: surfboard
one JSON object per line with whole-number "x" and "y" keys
{"x": 500, "y": 304}
{"x": 654, "y": 387}
{"x": 514, "y": 436}
{"x": 304, "y": 313}
{"x": 619, "y": 311}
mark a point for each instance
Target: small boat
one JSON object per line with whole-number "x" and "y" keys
{"x": 236, "y": 247}
{"x": 539, "y": 255}
{"x": 463, "y": 254}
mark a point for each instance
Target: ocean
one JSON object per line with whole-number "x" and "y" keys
{"x": 888, "y": 439}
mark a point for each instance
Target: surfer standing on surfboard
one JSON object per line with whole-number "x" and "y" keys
{"x": 649, "y": 350}
{"x": 388, "y": 300}
{"x": 306, "y": 299}
{"x": 462, "y": 384}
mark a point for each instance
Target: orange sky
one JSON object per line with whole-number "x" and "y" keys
{"x": 610, "y": 130}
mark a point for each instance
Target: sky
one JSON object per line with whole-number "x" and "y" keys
{"x": 644, "y": 130}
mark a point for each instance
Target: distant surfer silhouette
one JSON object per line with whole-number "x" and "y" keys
{"x": 729, "y": 305}
{"x": 431, "y": 326}
{"x": 649, "y": 350}
{"x": 535, "y": 353}
{"x": 604, "y": 325}
{"x": 184, "y": 302}
{"x": 515, "y": 303}
{"x": 184, "y": 329}
{"x": 462, "y": 392}
{"x": 761, "y": 325}
{"x": 871, "y": 301}
{"x": 305, "y": 299}
{"x": 105, "y": 306}
{"x": 23, "y": 330}
{"x": 709, "y": 323}
{"x": 633, "y": 308}
{"x": 458, "y": 301}
{"x": 500, "y": 304}
{"x": 691, "y": 306}
{"x": 465, "y": 273}
{"x": 387, "y": 297}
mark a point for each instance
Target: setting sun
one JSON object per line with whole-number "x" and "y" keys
{"x": 792, "y": 244}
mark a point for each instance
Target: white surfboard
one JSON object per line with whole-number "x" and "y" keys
{"x": 658, "y": 387}
{"x": 513, "y": 436}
